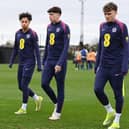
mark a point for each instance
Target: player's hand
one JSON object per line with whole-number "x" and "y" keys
{"x": 96, "y": 70}
{"x": 57, "y": 68}
{"x": 10, "y": 66}
{"x": 39, "y": 69}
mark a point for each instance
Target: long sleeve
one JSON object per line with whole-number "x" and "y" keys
{"x": 98, "y": 55}
{"x": 37, "y": 53}
{"x": 15, "y": 51}
{"x": 64, "y": 53}
{"x": 125, "y": 42}
{"x": 45, "y": 51}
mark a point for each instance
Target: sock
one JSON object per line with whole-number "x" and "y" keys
{"x": 36, "y": 97}
{"x": 55, "y": 108}
{"x": 117, "y": 118}
{"x": 24, "y": 106}
{"x": 55, "y": 105}
{"x": 108, "y": 108}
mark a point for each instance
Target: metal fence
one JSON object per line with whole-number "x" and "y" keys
{"x": 5, "y": 53}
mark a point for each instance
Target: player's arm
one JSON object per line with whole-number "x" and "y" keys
{"x": 45, "y": 51}
{"x": 98, "y": 55}
{"x": 64, "y": 53}
{"x": 125, "y": 42}
{"x": 37, "y": 53}
{"x": 14, "y": 53}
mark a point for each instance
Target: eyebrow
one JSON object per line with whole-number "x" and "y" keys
{"x": 106, "y": 13}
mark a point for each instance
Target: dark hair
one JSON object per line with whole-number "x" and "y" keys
{"x": 109, "y": 7}
{"x": 27, "y": 15}
{"x": 55, "y": 9}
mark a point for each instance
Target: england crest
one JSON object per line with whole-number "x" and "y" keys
{"x": 114, "y": 29}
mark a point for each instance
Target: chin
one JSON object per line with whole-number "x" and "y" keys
{"x": 109, "y": 20}
{"x": 24, "y": 28}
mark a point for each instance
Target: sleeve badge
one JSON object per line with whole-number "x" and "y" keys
{"x": 127, "y": 38}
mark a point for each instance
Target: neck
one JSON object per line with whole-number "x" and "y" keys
{"x": 54, "y": 22}
{"x": 25, "y": 29}
{"x": 113, "y": 20}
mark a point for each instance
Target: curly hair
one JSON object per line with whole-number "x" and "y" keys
{"x": 26, "y": 14}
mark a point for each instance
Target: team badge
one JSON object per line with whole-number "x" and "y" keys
{"x": 69, "y": 36}
{"x": 28, "y": 36}
{"x": 127, "y": 38}
{"x": 58, "y": 29}
{"x": 114, "y": 29}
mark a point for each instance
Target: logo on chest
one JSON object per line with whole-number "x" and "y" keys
{"x": 57, "y": 29}
{"x": 114, "y": 29}
{"x": 28, "y": 36}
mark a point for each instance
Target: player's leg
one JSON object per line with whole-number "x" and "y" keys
{"x": 27, "y": 75}
{"x": 100, "y": 81}
{"x": 76, "y": 66}
{"x": 90, "y": 64}
{"x": 116, "y": 81}
{"x": 19, "y": 77}
{"x": 25, "y": 80}
{"x": 79, "y": 65}
{"x": 82, "y": 65}
{"x": 60, "y": 80}
{"x": 86, "y": 64}
{"x": 25, "y": 89}
{"x": 47, "y": 74}
{"x": 24, "y": 84}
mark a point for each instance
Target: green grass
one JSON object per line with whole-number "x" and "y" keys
{"x": 81, "y": 108}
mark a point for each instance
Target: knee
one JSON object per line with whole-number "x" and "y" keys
{"x": 20, "y": 87}
{"x": 119, "y": 98}
{"x": 44, "y": 85}
{"x": 98, "y": 90}
{"x": 23, "y": 88}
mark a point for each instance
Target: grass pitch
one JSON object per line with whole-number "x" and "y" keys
{"x": 81, "y": 108}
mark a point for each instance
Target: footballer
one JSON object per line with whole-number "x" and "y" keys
{"x": 111, "y": 64}
{"x": 55, "y": 59}
{"x": 27, "y": 48}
